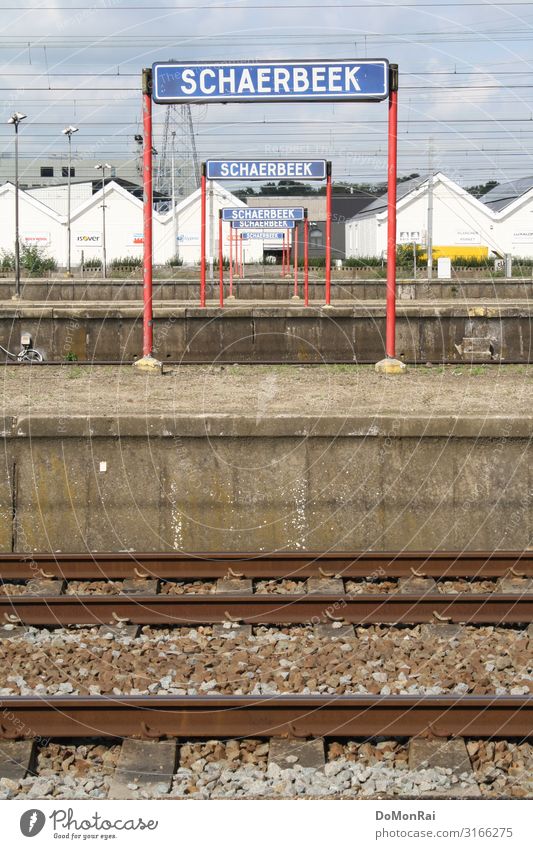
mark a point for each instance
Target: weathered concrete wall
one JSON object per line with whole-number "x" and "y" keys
{"x": 274, "y": 333}
{"x": 238, "y": 483}
{"x": 272, "y": 287}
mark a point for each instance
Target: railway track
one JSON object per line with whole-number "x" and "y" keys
{"x": 262, "y": 609}
{"x": 203, "y": 565}
{"x": 153, "y": 717}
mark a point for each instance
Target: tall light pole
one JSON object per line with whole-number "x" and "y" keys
{"x": 15, "y": 119}
{"x": 101, "y": 167}
{"x": 173, "y": 184}
{"x": 68, "y": 132}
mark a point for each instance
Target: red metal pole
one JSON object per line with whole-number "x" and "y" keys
{"x": 295, "y": 242}
{"x": 306, "y": 260}
{"x": 283, "y": 257}
{"x": 203, "y": 216}
{"x": 148, "y": 319}
{"x": 230, "y": 261}
{"x": 328, "y": 234}
{"x": 220, "y": 261}
{"x": 240, "y": 256}
{"x": 390, "y": 346}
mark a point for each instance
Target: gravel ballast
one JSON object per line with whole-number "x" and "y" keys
{"x": 183, "y": 661}
{"x": 240, "y": 769}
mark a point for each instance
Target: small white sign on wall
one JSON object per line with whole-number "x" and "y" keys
{"x": 35, "y": 238}
{"x": 444, "y": 268}
{"x": 87, "y": 239}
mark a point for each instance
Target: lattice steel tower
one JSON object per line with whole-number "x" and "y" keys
{"x": 178, "y": 145}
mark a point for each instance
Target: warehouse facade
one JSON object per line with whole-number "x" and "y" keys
{"x": 462, "y": 224}
{"x": 45, "y": 225}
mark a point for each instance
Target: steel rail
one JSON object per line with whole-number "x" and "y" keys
{"x": 199, "y": 565}
{"x": 265, "y": 716}
{"x": 259, "y": 608}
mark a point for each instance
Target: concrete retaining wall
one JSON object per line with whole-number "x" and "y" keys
{"x": 236, "y": 483}
{"x": 272, "y": 333}
{"x": 270, "y": 288}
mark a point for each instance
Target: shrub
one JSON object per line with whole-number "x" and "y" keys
{"x": 35, "y": 260}
{"x": 176, "y": 261}
{"x": 127, "y": 262}
{"x": 93, "y": 262}
{"x": 405, "y": 255}
{"x": 32, "y": 259}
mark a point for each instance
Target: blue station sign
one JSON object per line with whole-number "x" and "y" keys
{"x": 263, "y": 225}
{"x": 268, "y": 237}
{"x": 263, "y": 214}
{"x": 260, "y": 81}
{"x": 266, "y": 169}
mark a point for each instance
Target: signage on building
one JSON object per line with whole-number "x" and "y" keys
{"x": 35, "y": 238}
{"x": 188, "y": 238}
{"x": 266, "y": 169}
{"x": 263, "y": 214}
{"x": 410, "y": 237}
{"x": 467, "y": 237}
{"x": 204, "y": 82}
{"x": 136, "y": 239}
{"x": 523, "y": 237}
{"x": 87, "y": 239}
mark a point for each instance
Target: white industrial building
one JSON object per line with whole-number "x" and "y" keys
{"x": 45, "y": 224}
{"x": 462, "y": 224}
{"x": 499, "y": 223}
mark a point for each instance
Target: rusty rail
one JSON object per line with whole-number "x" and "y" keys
{"x": 258, "y": 608}
{"x": 349, "y": 564}
{"x": 265, "y": 716}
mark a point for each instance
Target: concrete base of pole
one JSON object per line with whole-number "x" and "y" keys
{"x": 231, "y": 298}
{"x": 295, "y": 298}
{"x": 328, "y": 307}
{"x": 390, "y": 365}
{"x": 148, "y": 364}
{"x": 15, "y": 297}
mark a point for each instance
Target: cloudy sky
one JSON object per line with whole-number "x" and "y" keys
{"x": 466, "y": 84}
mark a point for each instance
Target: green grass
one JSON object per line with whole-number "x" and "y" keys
{"x": 75, "y": 372}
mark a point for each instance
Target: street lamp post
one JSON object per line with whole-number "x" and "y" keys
{"x": 68, "y": 132}
{"x": 101, "y": 167}
{"x": 15, "y": 119}
{"x": 173, "y": 184}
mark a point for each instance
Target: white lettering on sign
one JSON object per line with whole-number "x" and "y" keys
{"x": 276, "y": 80}
{"x": 266, "y": 169}
{"x": 355, "y": 79}
{"x": 265, "y": 214}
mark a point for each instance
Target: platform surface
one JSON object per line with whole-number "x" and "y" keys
{"x": 261, "y": 393}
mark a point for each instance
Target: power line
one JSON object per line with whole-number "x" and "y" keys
{"x": 370, "y": 6}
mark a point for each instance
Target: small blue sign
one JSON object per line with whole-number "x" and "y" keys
{"x": 263, "y": 225}
{"x": 265, "y": 169}
{"x": 261, "y": 214}
{"x": 269, "y": 237}
{"x": 260, "y": 81}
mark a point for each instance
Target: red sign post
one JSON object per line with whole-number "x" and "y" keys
{"x": 361, "y": 80}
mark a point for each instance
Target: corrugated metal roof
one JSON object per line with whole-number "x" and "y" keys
{"x": 505, "y": 193}
{"x": 380, "y": 203}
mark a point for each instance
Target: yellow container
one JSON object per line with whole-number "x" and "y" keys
{"x": 454, "y": 251}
